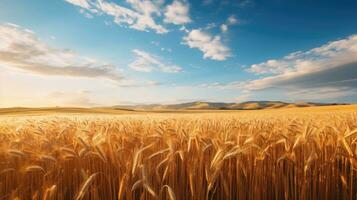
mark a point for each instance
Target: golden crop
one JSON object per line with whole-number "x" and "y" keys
{"x": 186, "y": 156}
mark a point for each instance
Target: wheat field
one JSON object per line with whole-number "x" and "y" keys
{"x": 280, "y": 154}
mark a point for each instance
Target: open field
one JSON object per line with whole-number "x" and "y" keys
{"x": 295, "y": 153}
{"x": 121, "y": 111}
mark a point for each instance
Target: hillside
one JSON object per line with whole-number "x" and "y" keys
{"x": 199, "y": 105}
{"x": 158, "y": 108}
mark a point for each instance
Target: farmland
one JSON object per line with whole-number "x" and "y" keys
{"x": 292, "y": 153}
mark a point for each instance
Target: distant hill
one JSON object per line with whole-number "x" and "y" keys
{"x": 191, "y": 107}
{"x": 200, "y": 105}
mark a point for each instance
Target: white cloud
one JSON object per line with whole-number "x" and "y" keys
{"x": 140, "y": 15}
{"x": 224, "y": 28}
{"x": 21, "y": 49}
{"x": 271, "y": 67}
{"x": 330, "y": 55}
{"x": 231, "y": 85}
{"x": 210, "y": 26}
{"x": 232, "y": 20}
{"x": 326, "y": 72}
{"x": 146, "y": 62}
{"x": 211, "y": 46}
{"x": 81, "y": 3}
{"x": 13, "y": 25}
{"x": 177, "y": 13}
{"x": 320, "y": 62}
{"x": 317, "y": 94}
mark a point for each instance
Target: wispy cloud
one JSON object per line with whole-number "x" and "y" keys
{"x": 73, "y": 98}
{"x": 22, "y": 49}
{"x": 334, "y": 62}
{"x": 210, "y": 26}
{"x": 82, "y": 3}
{"x": 146, "y": 62}
{"x": 177, "y": 13}
{"x": 211, "y": 46}
{"x": 330, "y": 69}
{"x": 316, "y": 94}
{"x": 140, "y": 15}
{"x": 232, "y": 20}
{"x": 230, "y": 85}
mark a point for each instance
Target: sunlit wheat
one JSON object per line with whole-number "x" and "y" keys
{"x": 262, "y": 156}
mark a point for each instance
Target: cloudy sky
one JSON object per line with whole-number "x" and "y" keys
{"x": 109, "y": 52}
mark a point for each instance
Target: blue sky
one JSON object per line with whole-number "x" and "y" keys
{"x": 107, "y": 52}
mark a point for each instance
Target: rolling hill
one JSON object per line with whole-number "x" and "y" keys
{"x": 195, "y": 107}
{"x": 199, "y": 105}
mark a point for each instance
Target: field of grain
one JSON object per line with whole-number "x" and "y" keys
{"x": 302, "y": 153}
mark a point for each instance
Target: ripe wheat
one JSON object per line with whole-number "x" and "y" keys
{"x": 305, "y": 156}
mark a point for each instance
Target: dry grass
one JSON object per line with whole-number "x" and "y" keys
{"x": 286, "y": 154}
